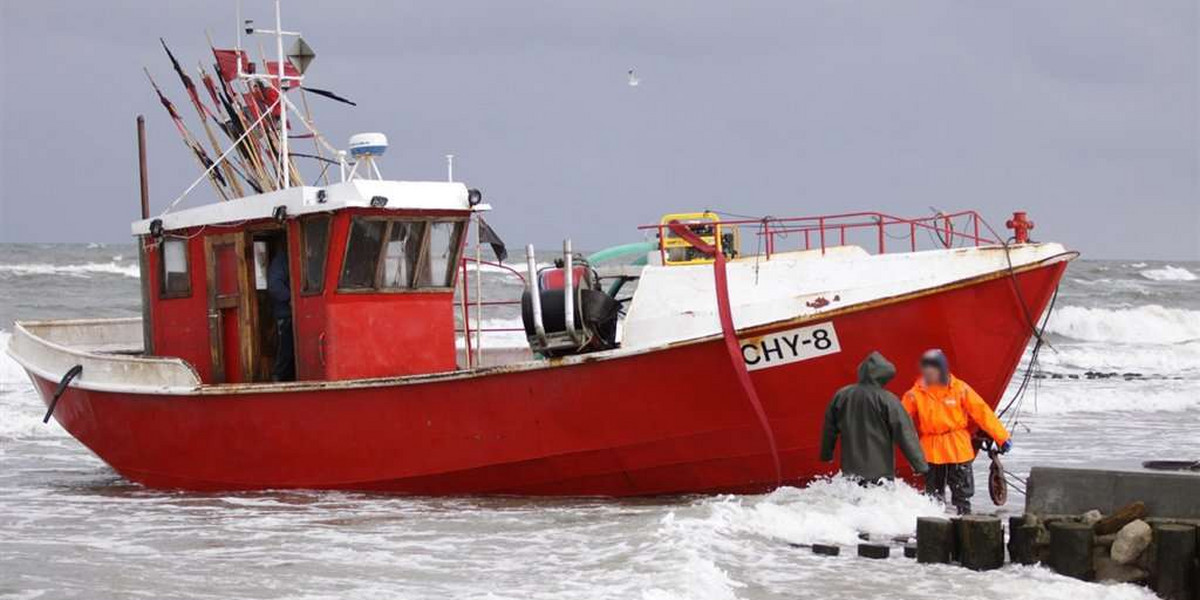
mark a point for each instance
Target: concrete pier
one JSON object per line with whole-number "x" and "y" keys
{"x": 1061, "y": 491}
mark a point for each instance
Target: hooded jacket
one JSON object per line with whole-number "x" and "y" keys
{"x": 944, "y": 415}
{"x": 870, "y": 421}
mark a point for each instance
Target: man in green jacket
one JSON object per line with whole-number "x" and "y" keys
{"x": 870, "y": 421}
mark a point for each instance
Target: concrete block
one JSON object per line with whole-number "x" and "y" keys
{"x": 1056, "y": 490}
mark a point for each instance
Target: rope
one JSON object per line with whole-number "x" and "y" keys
{"x": 220, "y": 158}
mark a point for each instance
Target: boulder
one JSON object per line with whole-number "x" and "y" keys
{"x": 1131, "y": 541}
{"x": 1091, "y": 517}
{"x": 1108, "y": 569}
{"x": 1122, "y": 517}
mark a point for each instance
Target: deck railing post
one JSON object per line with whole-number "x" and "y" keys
{"x": 535, "y": 295}
{"x": 821, "y": 224}
{"x": 569, "y": 292}
{"x": 912, "y": 235}
{"x": 975, "y": 221}
{"x": 466, "y": 314}
{"x": 881, "y": 247}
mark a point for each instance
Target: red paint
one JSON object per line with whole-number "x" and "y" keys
{"x": 668, "y": 421}
{"x": 1021, "y": 226}
{"x": 729, "y": 333}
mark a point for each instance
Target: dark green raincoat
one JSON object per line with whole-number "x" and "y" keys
{"x": 870, "y": 421}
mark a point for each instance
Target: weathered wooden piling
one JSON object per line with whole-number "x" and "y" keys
{"x": 1022, "y": 541}
{"x": 1122, "y": 517}
{"x": 1071, "y": 549}
{"x": 981, "y": 542}
{"x": 826, "y": 549}
{"x": 869, "y": 550}
{"x": 935, "y": 540}
{"x": 1175, "y": 552}
{"x": 910, "y": 550}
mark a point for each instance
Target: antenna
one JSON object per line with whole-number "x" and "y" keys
{"x": 450, "y": 168}
{"x": 280, "y": 79}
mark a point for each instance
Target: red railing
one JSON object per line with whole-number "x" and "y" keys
{"x": 467, "y": 301}
{"x": 822, "y": 232}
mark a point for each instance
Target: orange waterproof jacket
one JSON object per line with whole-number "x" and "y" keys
{"x": 943, "y": 415}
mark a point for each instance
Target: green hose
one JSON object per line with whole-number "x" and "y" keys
{"x": 639, "y": 249}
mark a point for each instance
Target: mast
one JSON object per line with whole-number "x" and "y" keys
{"x": 284, "y": 158}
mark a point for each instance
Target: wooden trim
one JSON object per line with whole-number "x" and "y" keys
{"x": 213, "y": 314}
{"x": 147, "y": 308}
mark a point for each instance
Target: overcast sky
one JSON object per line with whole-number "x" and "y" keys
{"x": 1082, "y": 112}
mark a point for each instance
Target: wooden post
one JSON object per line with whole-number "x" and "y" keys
{"x": 1022, "y": 541}
{"x": 1071, "y": 549}
{"x": 142, "y": 174}
{"x": 981, "y": 543}
{"x": 869, "y": 550}
{"x": 826, "y": 549}
{"x": 935, "y": 539}
{"x": 1175, "y": 551}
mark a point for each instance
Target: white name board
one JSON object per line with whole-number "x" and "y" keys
{"x": 793, "y": 345}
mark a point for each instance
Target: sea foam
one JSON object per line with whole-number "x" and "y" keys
{"x": 79, "y": 270}
{"x": 1169, "y": 273}
{"x": 1145, "y": 324}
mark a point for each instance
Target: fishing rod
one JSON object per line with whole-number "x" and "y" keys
{"x": 189, "y": 140}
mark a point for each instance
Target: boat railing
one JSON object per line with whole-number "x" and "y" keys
{"x": 473, "y": 304}
{"x": 884, "y": 232}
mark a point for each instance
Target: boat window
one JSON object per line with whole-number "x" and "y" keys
{"x": 402, "y": 253}
{"x": 439, "y": 265}
{"x": 362, "y": 253}
{"x": 314, "y": 245}
{"x": 176, "y": 281}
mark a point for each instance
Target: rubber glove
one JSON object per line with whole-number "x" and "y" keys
{"x": 1006, "y": 446}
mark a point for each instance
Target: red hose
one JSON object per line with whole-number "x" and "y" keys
{"x": 732, "y": 345}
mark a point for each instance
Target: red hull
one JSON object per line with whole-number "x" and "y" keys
{"x": 659, "y": 422}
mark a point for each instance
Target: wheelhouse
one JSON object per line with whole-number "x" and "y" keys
{"x": 371, "y": 272}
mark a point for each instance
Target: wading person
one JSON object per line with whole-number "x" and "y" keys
{"x": 281, "y": 308}
{"x": 943, "y": 408}
{"x": 870, "y": 421}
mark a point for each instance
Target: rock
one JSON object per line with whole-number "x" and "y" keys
{"x": 910, "y": 550}
{"x": 1108, "y": 569}
{"x": 1122, "y": 517}
{"x": 1091, "y": 517}
{"x": 1131, "y": 541}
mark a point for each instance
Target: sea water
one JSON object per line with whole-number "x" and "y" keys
{"x": 71, "y": 528}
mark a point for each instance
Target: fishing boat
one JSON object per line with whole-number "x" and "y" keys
{"x": 711, "y": 375}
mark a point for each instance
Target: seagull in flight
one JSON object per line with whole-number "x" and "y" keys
{"x": 633, "y": 80}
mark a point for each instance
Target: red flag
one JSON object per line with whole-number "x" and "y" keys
{"x": 289, "y": 70}
{"x": 227, "y": 63}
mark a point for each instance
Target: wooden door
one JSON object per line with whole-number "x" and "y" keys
{"x": 230, "y": 337}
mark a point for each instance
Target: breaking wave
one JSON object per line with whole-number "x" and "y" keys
{"x": 1169, "y": 273}
{"x": 80, "y": 270}
{"x": 1147, "y": 324}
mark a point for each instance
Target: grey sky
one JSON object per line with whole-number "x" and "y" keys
{"x": 1082, "y": 112}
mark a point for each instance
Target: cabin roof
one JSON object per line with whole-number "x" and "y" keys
{"x": 356, "y": 193}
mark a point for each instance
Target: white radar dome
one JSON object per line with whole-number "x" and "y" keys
{"x": 368, "y": 144}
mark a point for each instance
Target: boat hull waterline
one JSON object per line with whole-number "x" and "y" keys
{"x": 667, "y": 420}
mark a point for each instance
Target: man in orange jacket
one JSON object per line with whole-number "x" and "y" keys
{"x": 943, "y": 408}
